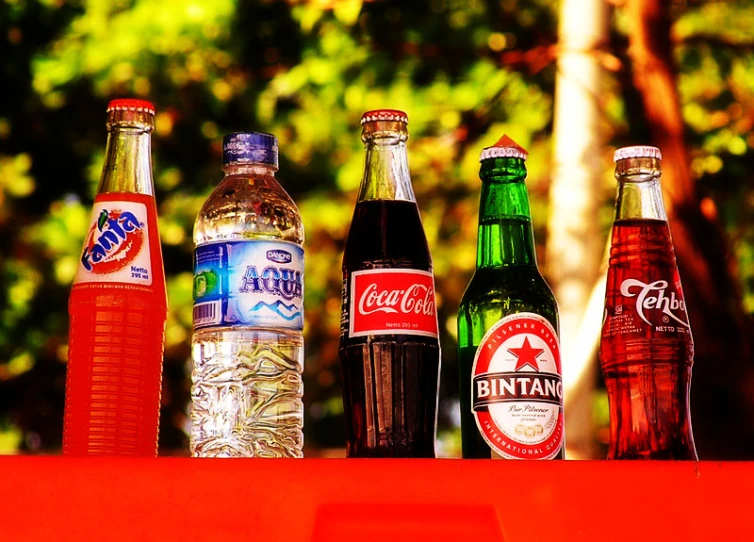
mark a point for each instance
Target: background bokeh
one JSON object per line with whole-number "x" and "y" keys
{"x": 465, "y": 72}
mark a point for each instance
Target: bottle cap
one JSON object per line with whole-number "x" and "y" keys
{"x": 130, "y": 104}
{"x": 250, "y": 147}
{"x": 504, "y": 148}
{"x": 639, "y": 151}
{"x": 393, "y": 115}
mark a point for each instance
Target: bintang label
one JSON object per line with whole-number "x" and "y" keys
{"x": 516, "y": 388}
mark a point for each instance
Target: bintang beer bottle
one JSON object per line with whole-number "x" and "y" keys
{"x": 511, "y": 388}
{"x": 646, "y": 349}
{"x": 389, "y": 350}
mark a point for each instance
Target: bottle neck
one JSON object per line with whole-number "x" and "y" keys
{"x": 639, "y": 192}
{"x": 128, "y": 162}
{"x": 386, "y": 173}
{"x": 505, "y": 235}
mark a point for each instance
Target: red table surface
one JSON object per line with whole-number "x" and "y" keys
{"x": 82, "y": 499}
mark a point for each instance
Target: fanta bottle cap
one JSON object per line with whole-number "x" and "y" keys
{"x": 393, "y": 115}
{"x": 130, "y": 104}
{"x": 250, "y": 148}
{"x": 504, "y": 148}
{"x": 638, "y": 151}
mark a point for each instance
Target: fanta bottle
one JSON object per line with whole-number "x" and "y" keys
{"x": 118, "y": 303}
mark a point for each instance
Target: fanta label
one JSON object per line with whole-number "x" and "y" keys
{"x": 116, "y": 247}
{"x": 392, "y": 302}
{"x": 517, "y": 390}
{"x": 249, "y": 283}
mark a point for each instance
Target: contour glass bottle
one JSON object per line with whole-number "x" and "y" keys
{"x": 647, "y": 349}
{"x": 389, "y": 349}
{"x": 118, "y": 304}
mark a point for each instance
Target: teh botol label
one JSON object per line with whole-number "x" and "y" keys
{"x": 517, "y": 390}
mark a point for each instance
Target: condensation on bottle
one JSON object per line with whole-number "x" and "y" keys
{"x": 247, "y": 345}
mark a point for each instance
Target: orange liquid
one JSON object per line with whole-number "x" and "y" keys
{"x": 116, "y": 342}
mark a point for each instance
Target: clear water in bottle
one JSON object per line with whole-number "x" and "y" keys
{"x": 247, "y": 346}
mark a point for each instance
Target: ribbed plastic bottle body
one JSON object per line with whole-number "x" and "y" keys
{"x": 118, "y": 304}
{"x": 247, "y": 384}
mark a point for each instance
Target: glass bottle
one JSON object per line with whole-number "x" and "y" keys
{"x": 118, "y": 303}
{"x": 389, "y": 350}
{"x": 509, "y": 354}
{"x": 646, "y": 349}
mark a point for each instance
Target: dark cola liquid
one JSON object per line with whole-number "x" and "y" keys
{"x": 646, "y": 349}
{"x": 390, "y": 382}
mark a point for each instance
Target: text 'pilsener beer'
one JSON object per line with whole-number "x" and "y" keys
{"x": 392, "y": 301}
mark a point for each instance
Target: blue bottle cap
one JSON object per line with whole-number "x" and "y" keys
{"x": 250, "y": 147}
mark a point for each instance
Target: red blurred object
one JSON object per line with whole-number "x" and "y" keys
{"x": 318, "y": 500}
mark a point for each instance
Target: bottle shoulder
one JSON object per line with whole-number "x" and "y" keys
{"x": 516, "y": 287}
{"x": 244, "y": 207}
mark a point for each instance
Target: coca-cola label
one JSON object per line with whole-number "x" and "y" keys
{"x": 658, "y": 304}
{"x": 517, "y": 390}
{"x": 392, "y": 302}
{"x": 116, "y": 247}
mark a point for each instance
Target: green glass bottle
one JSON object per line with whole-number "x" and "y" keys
{"x": 511, "y": 387}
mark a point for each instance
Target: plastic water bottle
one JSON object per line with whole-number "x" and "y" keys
{"x": 247, "y": 345}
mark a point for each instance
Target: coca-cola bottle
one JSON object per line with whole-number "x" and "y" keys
{"x": 389, "y": 351}
{"x": 646, "y": 351}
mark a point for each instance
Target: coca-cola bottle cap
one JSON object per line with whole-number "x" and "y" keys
{"x": 389, "y": 115}
{"x": 637, "y": 151}
{"x": 504, "y": 148}
{"x": 131, "y": 104}
{"x": 250, "y": 147}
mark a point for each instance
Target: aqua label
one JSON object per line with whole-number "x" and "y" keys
{"x": 249, "y": 283}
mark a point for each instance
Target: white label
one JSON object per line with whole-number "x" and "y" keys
{"x": 517, "y": 391}
{"x": 116, "y": 248}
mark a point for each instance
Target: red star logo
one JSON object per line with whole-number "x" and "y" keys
{"x": 526, "y": 355}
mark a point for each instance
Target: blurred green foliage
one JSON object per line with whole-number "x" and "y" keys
{"x": 465, "y": 71}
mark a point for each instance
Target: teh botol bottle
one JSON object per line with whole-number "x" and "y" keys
{"x": 118, "y": 302}
{"x": 389, "y": 351}
{"x": 509, "y": 354}
{"x": 646, "y": 348}
{"x": 247, "y": 345}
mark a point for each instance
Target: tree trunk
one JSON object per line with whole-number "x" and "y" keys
{"x": 575, "y": 244}
{"x": 722, "y": 407}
